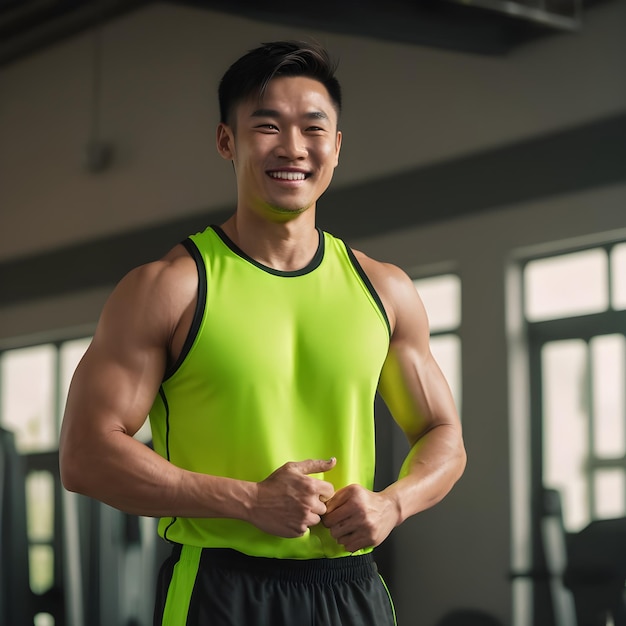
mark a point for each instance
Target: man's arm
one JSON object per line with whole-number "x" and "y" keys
{"x": 142, "y": 327}
{"x": 420, "y": 401}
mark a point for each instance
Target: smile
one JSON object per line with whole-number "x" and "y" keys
{"x": 288, "y": 175}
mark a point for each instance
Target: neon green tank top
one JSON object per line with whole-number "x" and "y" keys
{"x": 278, "y": 366}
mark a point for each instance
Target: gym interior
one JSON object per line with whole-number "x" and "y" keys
{"x": 484, "y": 152}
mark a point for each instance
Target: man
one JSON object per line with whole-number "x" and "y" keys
{"x": 257, "y": 348}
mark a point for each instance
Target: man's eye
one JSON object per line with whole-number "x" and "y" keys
{"x": 268, "y": 126}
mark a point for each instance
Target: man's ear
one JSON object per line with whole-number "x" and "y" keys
{"x": 225, "y": 140}
{"x": 338, "y": 147}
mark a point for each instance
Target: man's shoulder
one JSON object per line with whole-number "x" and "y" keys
{"x": 170, "y": 277}
{"x": 380, "y": 270}
{"x": 392, "y": 284}
{"x": 149, "y": 302}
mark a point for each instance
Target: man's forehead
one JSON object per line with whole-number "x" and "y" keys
{"x": 285, "y": 92}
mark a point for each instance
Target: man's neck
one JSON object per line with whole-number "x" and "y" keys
{"x": 284, "y": 246}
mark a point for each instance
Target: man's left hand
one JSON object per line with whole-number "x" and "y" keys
{"x": 358, "y": 518}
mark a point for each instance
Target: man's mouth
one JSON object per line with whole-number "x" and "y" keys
{"x": 283, "y": 175}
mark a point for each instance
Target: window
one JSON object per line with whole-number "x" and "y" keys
{"x": 33, "y": 386}
{"x": 575, "y": 309}
{"x": 441, "y": 296}
{"x": 27, "y": 408}
{"x": 573, "y": 314}
{"x": 566, "y": 285}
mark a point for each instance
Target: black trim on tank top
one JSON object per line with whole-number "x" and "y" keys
{"x": 193, "y": 251}
{"x": 313, "y": 264}
{"x": 368, "y": 284}
{"x": 166, "y": 406}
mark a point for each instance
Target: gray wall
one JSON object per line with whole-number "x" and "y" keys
{"x": 416, "y": 121}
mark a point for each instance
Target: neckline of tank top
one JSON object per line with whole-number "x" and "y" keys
{"x": 313, "y": 264}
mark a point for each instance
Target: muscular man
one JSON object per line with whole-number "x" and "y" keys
{"x": 257, "y": 347}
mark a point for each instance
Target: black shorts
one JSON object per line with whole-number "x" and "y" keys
{"x": 220, "y": 587}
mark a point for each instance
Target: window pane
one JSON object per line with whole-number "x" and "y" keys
{"x": 40, "y": 506}
{"x": 27, "y": 394}
{"x": 441, "y": 296}
{"x": 565, "y": 426}
{"x": 610, "y": 488}
{"x": 618, "y": 266}
{"x": 608, "y": 353}
{"x": 44, "y": 619}
{"x": 41, "y": 563}
{"x": 566, "y": 285}
{"x": 447, "y": 352}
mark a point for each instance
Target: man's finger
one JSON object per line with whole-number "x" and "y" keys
{"x": 315, "y": 466}
{"x": 339, "y": 498}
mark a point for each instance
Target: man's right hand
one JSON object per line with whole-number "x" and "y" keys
{"x": 289, "y": 501}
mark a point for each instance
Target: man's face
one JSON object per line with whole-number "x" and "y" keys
{"x": 284, "y": 147}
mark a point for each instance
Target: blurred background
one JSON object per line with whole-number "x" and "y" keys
{"x": 484, "y": 152}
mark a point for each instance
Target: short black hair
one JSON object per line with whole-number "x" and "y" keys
{"x": 252, "y": 72}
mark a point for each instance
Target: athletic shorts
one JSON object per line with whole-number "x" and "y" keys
{"x": 221, "y": 587}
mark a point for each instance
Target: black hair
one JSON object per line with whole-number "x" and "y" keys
{"x": 253, "y": 72}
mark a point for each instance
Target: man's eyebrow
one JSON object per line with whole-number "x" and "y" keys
{"x": 316, "y": 115}
{"x": 265, "y": 113}
{"x": 312, "y": 115}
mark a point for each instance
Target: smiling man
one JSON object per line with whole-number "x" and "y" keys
{"x": 257, "y": 348}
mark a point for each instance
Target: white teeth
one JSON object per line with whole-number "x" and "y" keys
{"x": 288, "y": 175}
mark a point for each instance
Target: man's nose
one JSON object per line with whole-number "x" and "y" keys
{"x": 292, "y": 145}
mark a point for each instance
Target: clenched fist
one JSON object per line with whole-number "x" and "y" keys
{"x": 358, "y": 518}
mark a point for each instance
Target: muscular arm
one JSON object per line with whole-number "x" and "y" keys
{"x": 420, "y": 401}
{"x": 112, "y": 391}
{"x": 142, "y": 326}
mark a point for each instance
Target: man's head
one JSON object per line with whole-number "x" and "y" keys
{"x": 250, "y": 75}
{"x": 280, "y": 107}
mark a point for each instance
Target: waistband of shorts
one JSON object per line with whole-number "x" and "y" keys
{"x": 311, "y": 571}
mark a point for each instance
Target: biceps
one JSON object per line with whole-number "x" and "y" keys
{"x": 416, "y": 392}
{"x": 112, "y": 392}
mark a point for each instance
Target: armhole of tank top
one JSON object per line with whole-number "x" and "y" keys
{"x": 368, "y": 284}
{"x": 193, "y": 251}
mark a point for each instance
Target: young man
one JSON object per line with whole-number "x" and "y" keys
{"x": 257, "y": 348}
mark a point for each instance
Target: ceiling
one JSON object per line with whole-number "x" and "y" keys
{"x": 475, "y": 26}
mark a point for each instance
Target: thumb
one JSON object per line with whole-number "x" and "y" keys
{"x": 314, "y": 466}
